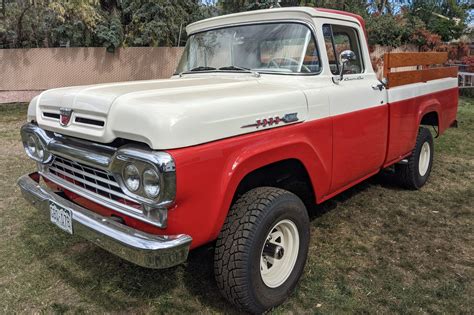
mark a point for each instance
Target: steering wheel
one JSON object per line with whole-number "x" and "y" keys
{"x": 275, "y": 64}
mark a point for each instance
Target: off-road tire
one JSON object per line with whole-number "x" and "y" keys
{"x": 408, "y": 174}
{"x": 239, "y": 247}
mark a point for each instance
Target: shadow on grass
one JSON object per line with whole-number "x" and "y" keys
{"x": 385, "y": 178}
{"x": 114, "y": 284}
{"x": 117, "y": 285}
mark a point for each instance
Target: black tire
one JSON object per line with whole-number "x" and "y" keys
{"x": 408, "y": 174}
{"x": 240, "y": 243}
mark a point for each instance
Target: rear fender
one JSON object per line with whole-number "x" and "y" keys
{"x": 428, "y": 106}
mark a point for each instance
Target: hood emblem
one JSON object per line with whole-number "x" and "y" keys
{"x": 65, "y": 116}
{"x": 270, "y": 121}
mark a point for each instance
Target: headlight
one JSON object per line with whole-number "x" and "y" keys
{"x": 151, "y": 183}
{"x": 131, "y": 177}
{"x": 147, "y": 176}
{"x": 35, "y": 148}
{"x": 30, "y": 146}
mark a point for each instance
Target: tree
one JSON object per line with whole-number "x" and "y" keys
{"x": 156, "y": 22}
{"x": 447, "y": 18}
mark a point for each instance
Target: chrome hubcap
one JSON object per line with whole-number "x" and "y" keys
{"x": 279, "y": 253}
{"x": 424, "y": 160}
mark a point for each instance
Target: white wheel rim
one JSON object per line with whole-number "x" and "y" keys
{"x": 284, "y": 241}
{"x": 424, "y": 160}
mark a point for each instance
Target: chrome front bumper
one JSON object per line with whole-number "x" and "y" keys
{"x": 143, "y": 249}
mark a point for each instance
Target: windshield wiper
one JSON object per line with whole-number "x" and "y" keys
{"x": 202, "y": 68}
{"x": 198, "y": 69}
{"x": 236, "y": 68}
{"x": 226, "y": 68}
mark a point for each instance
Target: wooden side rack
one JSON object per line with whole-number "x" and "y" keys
{"x": 429, "y": 66}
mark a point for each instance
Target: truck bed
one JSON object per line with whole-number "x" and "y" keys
{"x": 419, "y": 91}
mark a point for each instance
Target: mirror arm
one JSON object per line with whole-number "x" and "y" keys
{"x": 341, "y": 75}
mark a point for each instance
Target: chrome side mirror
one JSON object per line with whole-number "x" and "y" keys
{"x": 344, "y": 58}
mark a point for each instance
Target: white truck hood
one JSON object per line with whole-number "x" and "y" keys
{"x": 170, "y": 113}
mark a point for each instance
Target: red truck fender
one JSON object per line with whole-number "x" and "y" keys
{"x": 210, "y": 174}
{"x": 250, "y": 159}
{"x": 426, "y": 107}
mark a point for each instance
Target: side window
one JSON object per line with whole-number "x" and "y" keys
{"x": 337, "y": 39}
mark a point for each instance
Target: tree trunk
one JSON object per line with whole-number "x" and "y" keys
{"x": 20, "y": 23}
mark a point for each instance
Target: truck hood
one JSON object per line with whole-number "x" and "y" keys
{"x": 170, "y": 113}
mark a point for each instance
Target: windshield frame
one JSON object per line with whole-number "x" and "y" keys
{"x": 309, "y": 25}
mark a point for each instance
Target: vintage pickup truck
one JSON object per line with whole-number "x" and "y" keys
{"x": 269, "y": 113}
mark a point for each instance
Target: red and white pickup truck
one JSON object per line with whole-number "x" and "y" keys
{"x": 269, "y": 112}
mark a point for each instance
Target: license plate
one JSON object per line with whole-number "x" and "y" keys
{"x": 61, "y": 217}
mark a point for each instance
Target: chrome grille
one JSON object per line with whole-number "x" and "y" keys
{"x": 98, "y": 182}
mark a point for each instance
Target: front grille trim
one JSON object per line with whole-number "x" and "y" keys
{"x": 101, "y": 179}
{"x": 88, "y": 183}
{"x": 94, "y": 184}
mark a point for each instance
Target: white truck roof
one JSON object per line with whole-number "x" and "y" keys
{"x": 287, "y": 13}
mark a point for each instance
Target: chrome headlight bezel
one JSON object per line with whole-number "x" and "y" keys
{"x": 159, "y": 162}
{"x": 29, "y": 135}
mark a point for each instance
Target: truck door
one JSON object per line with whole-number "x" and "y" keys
{"x": 358, "y": 107}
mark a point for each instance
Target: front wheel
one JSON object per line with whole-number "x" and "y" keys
{"x": 262, "y": 249}
{"x": 415, "y": 173}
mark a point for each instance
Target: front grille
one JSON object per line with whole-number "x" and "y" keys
{"x": 98, "y": 182}
{"x": 77, "y": 119}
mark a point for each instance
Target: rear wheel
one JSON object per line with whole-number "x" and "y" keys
{"x": 262, "y": 249}
{"x": 415, "y": 173}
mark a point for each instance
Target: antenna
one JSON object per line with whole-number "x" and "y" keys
{"x": 179, "y": 36}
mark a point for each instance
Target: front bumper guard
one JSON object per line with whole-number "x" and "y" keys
{"x": 144, "y": 249}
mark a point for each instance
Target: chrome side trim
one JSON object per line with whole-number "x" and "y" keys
{"x": 144, "y": 249}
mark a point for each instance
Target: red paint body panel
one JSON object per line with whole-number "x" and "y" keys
{"x": 360, "y": 144}
{"x": 208, "y": 174}
{"x": 338, "y": 152}
{"x": 406, "y": 115}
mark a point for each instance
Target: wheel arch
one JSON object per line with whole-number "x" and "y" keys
{"x": 430, "y": 118}
{"x": 245, "y": 165}
{"x": 429, "y": 113}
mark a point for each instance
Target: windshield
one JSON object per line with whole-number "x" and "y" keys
{"x": 272, "y": 48}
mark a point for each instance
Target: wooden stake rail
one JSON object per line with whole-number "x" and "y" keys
{"x": 424, "y": 60}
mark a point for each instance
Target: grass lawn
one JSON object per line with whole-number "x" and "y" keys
{"x": 374, "y": 249}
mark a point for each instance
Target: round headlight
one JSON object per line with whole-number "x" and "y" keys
{"x": 151, "y": 183}
{"x": 31, "y": 145}
{"x": 131, "y": 177}
{"x": 39, "y": 150}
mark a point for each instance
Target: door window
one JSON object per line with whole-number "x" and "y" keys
{"x": 337, "y": 39}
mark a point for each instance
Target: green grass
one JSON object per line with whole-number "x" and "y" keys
{"x": 374, "y": 249}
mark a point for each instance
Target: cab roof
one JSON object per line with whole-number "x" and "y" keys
{"x": 286, "y": 13}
